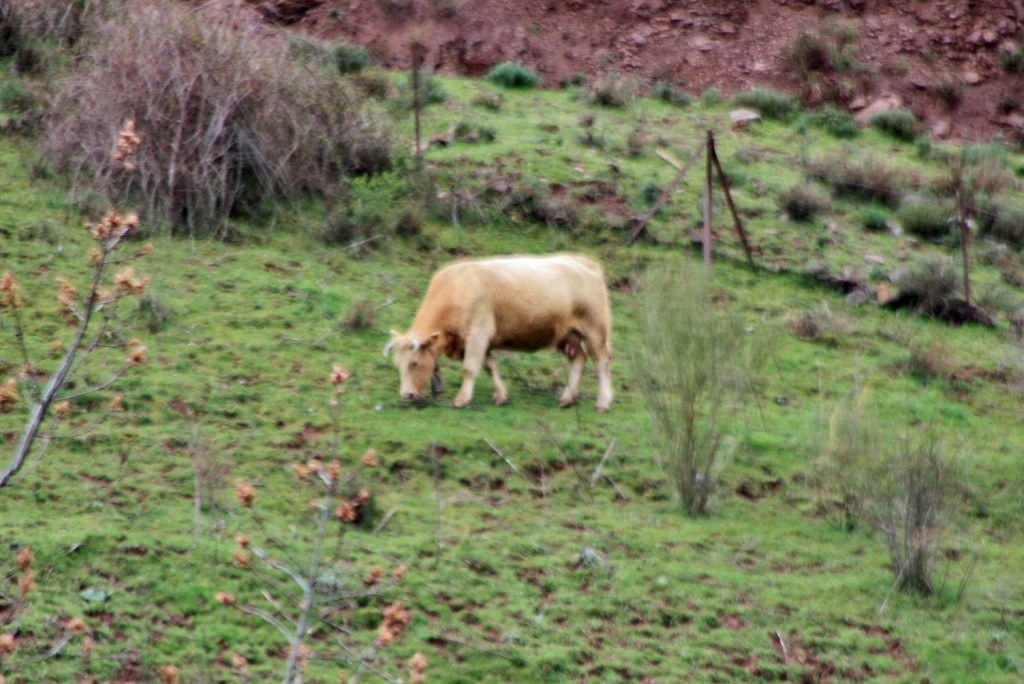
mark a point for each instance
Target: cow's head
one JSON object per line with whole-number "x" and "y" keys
{"x": 416, "y": 359}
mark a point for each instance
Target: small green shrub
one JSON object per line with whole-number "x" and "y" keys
{"x": 771, "y": 104}
{"x": 516, "y": 76}
{"x": 803, "y": 202}
{"x": 874, "y": 219}
{"x": 926, "y": 216}
{"x": 711, "y": 97}
{"x": 350, "y": 59}
{"x": 899, "y": 123}
{"x": 836, "y": 122}
{"x": 1012, "y": 62}
{"x": 431, "y": 90}
{"x": 666, "y": 92}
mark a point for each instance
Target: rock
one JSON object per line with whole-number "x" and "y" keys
{"x": 972, "y": 77}
{"x": 874, "y": 259}
{"x": 857, "y": 297}
{"x": 989, "y": 37}
{"x": 858, "y": 103}
{"x": 743, "y": 117}
{"x": 884, "y": 294}
{"x": 1013, "y": 120}
{"x": 1008, "y": 46}
{"x": 941, "y": 128}
{"x": 727, "y": 29}
{"x": 759, "y": 67}
{"x": 885, "y": 103}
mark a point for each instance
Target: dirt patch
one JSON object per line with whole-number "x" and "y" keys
{"x": 940, "y": 59}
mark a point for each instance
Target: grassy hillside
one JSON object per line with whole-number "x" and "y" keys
{"x": 518, "y": 568}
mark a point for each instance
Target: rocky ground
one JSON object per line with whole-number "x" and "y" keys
{"x": 939, "y": 58}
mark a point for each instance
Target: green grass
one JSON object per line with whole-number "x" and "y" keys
{"x": 496, "y": 584}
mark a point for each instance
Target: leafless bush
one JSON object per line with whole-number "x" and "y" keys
{"x": 37, "y": 20}
{"x": 929, "y": 283}
{"x": 869, "y": 177}
{"x": 818, "y": 325}
{"x": 899, "y": 484}
{"x": 908, "y": 508}
{"x": 230, "y": 116}
{"x": 693, "y": 361}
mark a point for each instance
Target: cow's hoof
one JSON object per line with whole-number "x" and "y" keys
{"x": 500, "y": 400}
{"x": 566, "y": 402}
{"x": 460, "y": 403}
{"x": 604, "y": 409}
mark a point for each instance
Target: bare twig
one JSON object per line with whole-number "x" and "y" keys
{"x": 618, "y": 492}
{"x": 782, "y": 645}
{"x": 604, "y": 459}
{"x": 460, "y": 642}
{"x": 385, "y": 520}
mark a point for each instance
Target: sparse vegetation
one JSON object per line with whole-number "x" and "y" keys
{"x": 509, "y": 75}
{"x": 836, "y": 122}
{"x": 667, "y": 92}
{"x": 874, "y": 219}
{"x": 771, "y": 104}
{"x": 804, "y": 201}
{"x": 926, "y": 216}
{"x": 870, "y": 177}
{"x": 899, "y": 123}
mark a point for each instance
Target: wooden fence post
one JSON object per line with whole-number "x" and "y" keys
{"x": 707, "y": 206}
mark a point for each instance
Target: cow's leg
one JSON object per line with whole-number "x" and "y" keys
{"x": 577, "y": 359}
{"x": 473, "y": 360}
{"x": 601, "y": 350}
{"x": 500, "y": 393}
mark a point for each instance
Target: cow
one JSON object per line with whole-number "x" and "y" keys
{"x": 521, "y": 303}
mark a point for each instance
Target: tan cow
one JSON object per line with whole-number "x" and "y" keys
{"x": 522, "y": 303}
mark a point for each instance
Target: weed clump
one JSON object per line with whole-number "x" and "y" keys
{"x": 836, "y": 122}
{"x": 899, "y": 123}
{"x": 929, "y": 284}
{"x": 515, "y": 76}
{"x": 926, "y": 216}
{"x": 874, "y": 219}
{"x": 869, "y": 177}
{"x": 666, "y": 92}
{"x": 771, "y": 104}
{"x": 803, "y": 202}
{"x": 818, "y": 325}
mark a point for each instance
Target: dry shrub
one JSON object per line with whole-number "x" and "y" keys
{"x": 869, "y": 177}
{"x": 818, "y": 325}
{"x": 693, "y": 363}
{"x": 803, "y": 202}
{"x": 929, "y": 284}
{"x": 46, "y": 20}
{"x": 929, "y": 362}
{"x": 899, "y": 484}
{"x": 228, "y": 116}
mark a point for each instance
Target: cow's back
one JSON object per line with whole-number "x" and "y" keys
{"x": 532, "y": 301}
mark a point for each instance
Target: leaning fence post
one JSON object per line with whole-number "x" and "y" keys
{"x": 737, "y": 223}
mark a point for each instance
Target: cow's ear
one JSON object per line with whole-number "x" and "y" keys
{"x": 433, "y": 340}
